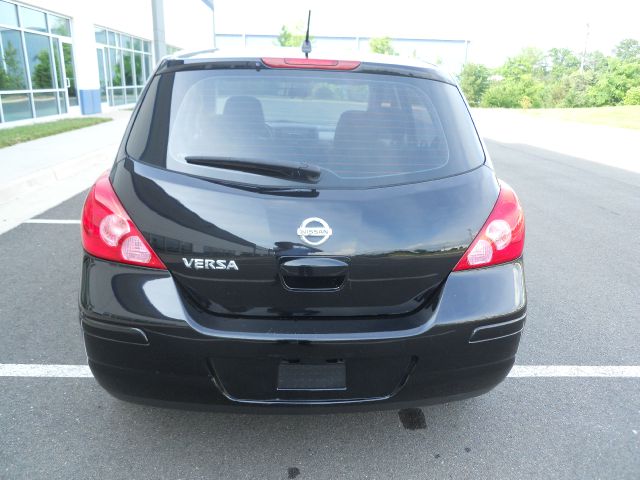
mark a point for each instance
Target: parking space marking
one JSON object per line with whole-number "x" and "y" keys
{"x": 615, "y": 371}
{"x": 46, "y": 371}
{"x": 52, "y": 221}
{"x": 518, "y": 371}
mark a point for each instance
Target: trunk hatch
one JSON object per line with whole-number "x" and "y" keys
{"x": 238, "y": 253}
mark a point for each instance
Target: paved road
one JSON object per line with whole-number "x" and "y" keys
{"x": 583, "y": 271}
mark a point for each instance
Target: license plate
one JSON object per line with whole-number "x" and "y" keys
{"x": 312, "y": 376}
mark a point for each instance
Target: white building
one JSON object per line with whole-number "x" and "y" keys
{"x": 84, "y": 56}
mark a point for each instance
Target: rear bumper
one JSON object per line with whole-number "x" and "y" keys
{"x": 144, "y": 344}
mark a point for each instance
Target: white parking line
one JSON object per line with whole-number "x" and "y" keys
{"x": 614, "y": 371}
{"x": 52, "y": 221}
{"x": 518, "y": 371}
{"x": 47, "y": 371}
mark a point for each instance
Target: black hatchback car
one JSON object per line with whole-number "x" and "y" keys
{"x": 301, "y": 233}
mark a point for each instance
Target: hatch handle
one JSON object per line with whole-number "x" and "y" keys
{"x": 312, "y": 267}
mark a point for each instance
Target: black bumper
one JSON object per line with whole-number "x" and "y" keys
{"x": 145, "y": 344}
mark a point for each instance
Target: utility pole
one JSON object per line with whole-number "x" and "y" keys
{"x": 159, "y": 42}
{"x": 584, "y": 52}
{"x": 209, "y": 3}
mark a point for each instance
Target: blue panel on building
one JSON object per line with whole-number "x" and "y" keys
{"x": 89, "y": 101}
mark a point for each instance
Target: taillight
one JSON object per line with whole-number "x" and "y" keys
{"x": 109, "y": 233}
{"x": 314, "y": 63}
{"x": 501, "y": 238}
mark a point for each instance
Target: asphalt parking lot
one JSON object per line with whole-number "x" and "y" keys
{"x": 583, "y": 277}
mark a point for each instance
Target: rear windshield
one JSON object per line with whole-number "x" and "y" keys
{"x": 358, "y": 129}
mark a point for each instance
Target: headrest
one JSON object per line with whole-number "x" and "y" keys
{"x": 246, "y": 108}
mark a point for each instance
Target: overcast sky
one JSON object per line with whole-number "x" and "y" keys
{"x": 496, "y": 28}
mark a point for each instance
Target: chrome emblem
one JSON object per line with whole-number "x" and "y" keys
{"x": 317, "y": 229}
{"x": 209, "y": 264}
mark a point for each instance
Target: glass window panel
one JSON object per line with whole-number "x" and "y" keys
{"x": 112, "y": 38}
{"x": 45, "y": 103}
{"x": 8, "y": 14}
{"x": 16, "y": 106}
{"x": 59, "y": 25}
{"x": 13, "y": 75}
{"x": 126, "y": 41}
{"x": 118, "y": 96}
{"x": 147, "y": 67}
{"x": 39, "y": 57}
{"x": 137, "y": 44}
{"x": 33, "y": 19}
{"x": 400, "y": 129}
{"x": 147, "y": 46}
{"x": 116, "y": 67}
{"x": 101, "y": 35}
{"x": 101, "y": 74}
{"x": 138, "y": 141}
{"x": 58, "y": 63}
{"x": 139, "y": 76}
{"x": 69, "y": 71}
{"x": 62, "y": 103}
{"x": 131, "y": 95}
{"x": 128, "y": 68}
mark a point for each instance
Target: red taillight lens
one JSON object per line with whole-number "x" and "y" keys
{"x": 314, "y": 63}
{"x": 109, "y": 233}
{"x": 501, "y": 238}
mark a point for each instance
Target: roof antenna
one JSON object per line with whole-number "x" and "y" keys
{"x": 306, "y": 45}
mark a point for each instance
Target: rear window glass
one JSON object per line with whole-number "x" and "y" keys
{"x": 360, "y": 130}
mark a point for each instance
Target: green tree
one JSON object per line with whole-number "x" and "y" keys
{"x": 116, "y": 76}
{"x": 128, "y": 70}
{"x": 42, "y": 75}
{"x": 525, "y": 102}
{"x": 578, "y": 85}
{"x": 474, "y": 81}
{"x": 511, "y": 93}
{"x": 11, "y": 70}
{"x": 563, "y": 62}
{"x": 628, "y": 50}
{"x": 382, "y": 45}
{"x": 596, "y": 62}
{"x": 559, "y": 78}
{"x": 290, "y": 39}
{"x": 554, "y": 91}
{"x": 522, "y": 76}
{"x": 632, "y": 96}
{"x": 529, "y": 63}
{"x": 612, "y": 85}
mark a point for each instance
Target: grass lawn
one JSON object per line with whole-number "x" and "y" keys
{"x": 622, "y": 116}
{"x": 11, "y": 136}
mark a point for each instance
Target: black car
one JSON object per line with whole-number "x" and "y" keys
{"x": 293, "y": 233}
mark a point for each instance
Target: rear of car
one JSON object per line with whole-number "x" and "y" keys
{"x": 284, "y": 232}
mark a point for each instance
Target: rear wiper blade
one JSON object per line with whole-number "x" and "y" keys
{"x": 301, "y": 172}
{"x": 282, "y": 191}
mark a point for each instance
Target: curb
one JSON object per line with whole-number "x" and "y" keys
{"x": 599, "y": 144}
{"x": 57, "y": 173}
